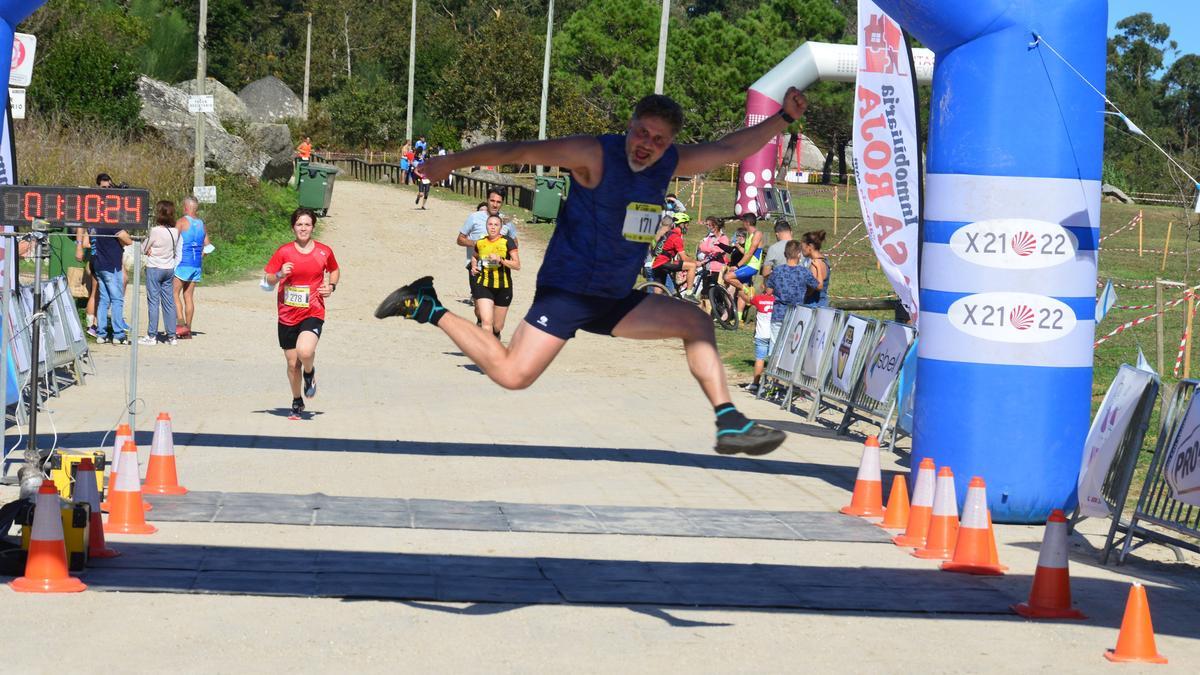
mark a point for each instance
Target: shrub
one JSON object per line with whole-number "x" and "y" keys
{"x": 88, "y": 79}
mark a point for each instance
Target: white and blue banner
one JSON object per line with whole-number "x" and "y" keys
{"x": 1108, "y": 298}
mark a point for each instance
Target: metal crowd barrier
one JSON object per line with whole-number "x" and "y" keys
{"x": 861, "y": 405}
{"x": 1157, "y": 506}
{"x": 63, "y": 340}
{"x": 812, "y": 384}
{"x": 790, "y": 357}
{"x": 1115, "y": 489}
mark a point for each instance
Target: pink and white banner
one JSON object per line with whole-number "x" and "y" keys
{"x": 886, "y": 149}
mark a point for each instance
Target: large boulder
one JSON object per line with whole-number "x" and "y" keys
{"x": 228, "y": 105}
{"x": 276, "y": 141}
{"x": 269, "y": 100}
{"x": 165, "y": 109}
{"x": 811, "y": 157}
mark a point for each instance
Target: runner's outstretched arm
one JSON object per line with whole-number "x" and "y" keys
{"x": 578, "y": 154}
{"x": 734, "y": 147}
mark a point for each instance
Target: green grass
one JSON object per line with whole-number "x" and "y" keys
{"x": 246, "y": 225}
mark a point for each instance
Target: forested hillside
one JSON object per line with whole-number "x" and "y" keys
{"x": 478, "y": 66}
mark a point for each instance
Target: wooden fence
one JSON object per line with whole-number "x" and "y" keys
{"x": 376, "y": 172}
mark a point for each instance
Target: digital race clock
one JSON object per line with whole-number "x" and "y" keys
{"x": 121, "y": 208}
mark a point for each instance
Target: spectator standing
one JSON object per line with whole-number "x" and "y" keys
{"x": 765, "y": 333}
{"x": 818, "y": 296}
{"x": 420, "y": 146}
{"x": 673, "y": 205}
{"x": 774, "y": 256}
{"x": 189, "y": 270}
{"x": 405, "y": 166}
{"x": 107, "y": 243}
{"x": 791, "y": 282}
{"x": 85, "y": 252}
{"x": 410, "y": 158}
{"x": 160, "y": 248}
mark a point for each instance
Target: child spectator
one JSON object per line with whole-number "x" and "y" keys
{"x": 791, "y": 282}
{"x": 765, "y": 333}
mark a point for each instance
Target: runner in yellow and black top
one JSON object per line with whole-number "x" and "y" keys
{"x": 493, "y": 261}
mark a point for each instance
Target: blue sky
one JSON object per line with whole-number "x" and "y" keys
{"x": 1180, "y": 15}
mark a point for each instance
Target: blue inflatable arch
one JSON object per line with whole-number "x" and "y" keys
{"x": 1008, "y": 277}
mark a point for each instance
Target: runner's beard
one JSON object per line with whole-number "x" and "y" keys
{"x": 636, "y": 168}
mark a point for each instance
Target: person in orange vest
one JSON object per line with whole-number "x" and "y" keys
{"x": 304, "y": 150}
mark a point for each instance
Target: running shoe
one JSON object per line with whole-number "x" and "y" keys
{"x": 416, "y": 301}
{"x": 310, "y": 383}
{"x": 751, "y": 389}
{"x": 102, "y": 340}
{"x": 91, "y": 330}
{"x": 297, "y": 407}
{"x": 754, "y": 439}
{"x": 148, "y": 340}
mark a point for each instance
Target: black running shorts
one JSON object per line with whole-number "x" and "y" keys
{"x": 289, "y": 334}
{"x": 501, "y": 296}
{"x": 560, "y": 313}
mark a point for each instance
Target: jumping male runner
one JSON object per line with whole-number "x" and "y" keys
{"x": 596, "y": 251}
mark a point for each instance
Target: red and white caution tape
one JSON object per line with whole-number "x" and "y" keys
{"x": 844, "y": 238}
{"x": 1183, "y": 340}
{"x": 1123, "y": 327}
{"x": 1121, "y": 229}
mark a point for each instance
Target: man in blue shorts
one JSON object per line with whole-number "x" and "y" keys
{"x": 619, "y": 183}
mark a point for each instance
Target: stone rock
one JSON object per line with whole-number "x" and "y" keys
{"x": 269, "y": 100}
{"x": 164, "y": 108}
{"x": 475, "y": 137}
{"x": 1115, "y": 194}
{"x": 276, "y": 141}
{"x": 491, "y": 177}
{"x": 811, "y": 157}
{"x": 228, "y": 105}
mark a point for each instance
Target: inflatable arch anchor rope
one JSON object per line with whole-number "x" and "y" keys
{"x": 812, "y": 62}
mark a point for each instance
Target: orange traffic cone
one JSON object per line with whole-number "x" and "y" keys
{"x": 867, "y": 500}
{"x": 124, "y": 433}
{"x": 994, "y": 554}
{"x": 46, "y": 566}
{"x": 160, "y": 473}
{"x": 85, "y": 490}
{"x": 922, "y": 508}
{"x": 1050, "y": 597}
{"x": 943, "y": 524}
{"x": 127, "y": 515}
{"x": 1136, "y": 640}
{"x": 895, "y": 516}
{"x": 974, "y": 548}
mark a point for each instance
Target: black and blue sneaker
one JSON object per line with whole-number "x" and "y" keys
{"x": 417, "y": 301}
{"x": 737, "y": 434}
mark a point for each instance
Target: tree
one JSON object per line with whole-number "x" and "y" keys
{"x": 366, "y": 112}
{"x": 495, "y": 82}
{"x": 1182, "y": 102}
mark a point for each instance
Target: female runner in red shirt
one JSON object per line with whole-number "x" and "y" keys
{"x": 298, "y": 268}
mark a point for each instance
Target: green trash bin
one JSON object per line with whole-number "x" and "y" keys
{"x": 298, "y": 171}
{"x": 548, "y": 196}
{"x": 316, "y": 186}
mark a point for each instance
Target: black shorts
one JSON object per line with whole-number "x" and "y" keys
{"x": 423, "y": 188}
{"x": 289, "y": 334}
{"x": 470, "y": 280}
{"x": 560, "y": 313}
{"x": 664, "y": 270}
{"x": 501, "y": 296}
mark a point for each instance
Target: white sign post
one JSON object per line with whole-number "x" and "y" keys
{"x": 1108, "y": 429}
{"x": 205, "y": 194}
{"x": 21, "y": 70}
{"x": 16, "y": 101}
{"x": 200, "y": 104}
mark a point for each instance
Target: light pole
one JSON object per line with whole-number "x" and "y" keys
{"x": 662, "y": 47}
{"x": 307, "y": 64}
{"x": 201, "y": 73}
{"x": 545, "y": 78}
{"x": 412, "y": 70}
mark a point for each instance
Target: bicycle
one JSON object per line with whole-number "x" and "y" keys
{"x": 721, "y": 305}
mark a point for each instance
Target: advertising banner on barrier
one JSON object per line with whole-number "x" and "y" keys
{"x": 793, "y": 337}
{"x": 822, "y": 327}
{"x": 848, "y": 344}
{"x": 886, "y": 359}
{"x": 1182, "y": 466}
{"x": 1108, "y": 429}
{"x": 887, "y": 150}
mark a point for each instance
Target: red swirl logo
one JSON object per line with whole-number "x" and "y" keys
{"x": 1021, "y": 317}
{"x": 1024, "y": 243}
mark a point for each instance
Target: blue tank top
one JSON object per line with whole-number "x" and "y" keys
{"x": 193, "y": 243}
{"x": 820, "y": 298}
{"x": 587, "y": 254}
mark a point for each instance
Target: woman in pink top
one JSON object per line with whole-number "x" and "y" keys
{"x": 710, "y": 249}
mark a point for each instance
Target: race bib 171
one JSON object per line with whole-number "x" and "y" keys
{"x": 641, "y": 222}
